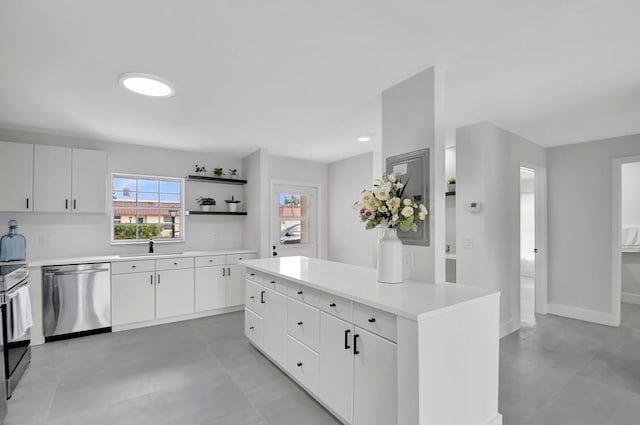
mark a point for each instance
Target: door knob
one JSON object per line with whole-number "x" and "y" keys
{"x": 535, "y": 250}
{"x": 275, "y": 254}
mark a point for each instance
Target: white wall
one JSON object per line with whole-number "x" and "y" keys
{"x": 349, "y": 242}
{"x": 412, "y": 119}
{"x": 301, "y": 171}
{"x": 580, "y": 224}
{"x": 488, "y": 172}
{"x": 52, "y": 235}
{"x": 256, "y": 232}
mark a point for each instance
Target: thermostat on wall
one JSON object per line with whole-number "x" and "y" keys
{"x": 473, "y": 206}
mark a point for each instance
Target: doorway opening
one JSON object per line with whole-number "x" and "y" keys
{"x": 630, "y": 243}
{"x": 527, "y": 247}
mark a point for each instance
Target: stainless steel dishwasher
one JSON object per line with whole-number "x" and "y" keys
{"x": 76, "y": 300}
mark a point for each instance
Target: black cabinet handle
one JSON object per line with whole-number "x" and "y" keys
{"x": 251, "y": 328}
{"x": 299, "y": 364}
{"x": 252, "y": 297}
{"x": 175, "y": 264}
{"x": 346, "y": 339}
{"x": 262, "y": 297}
{"x": 252, "y": 274}
{"x": 332, "y": 305}
{"x": 355, "y": 344}
{"x": 66, "y": 204}
{"x": 299, "y": 323}
{"x": 228, "y": 271}
{"x": 151, "y": 276}
{"x": 211, "y": 261}
{"x": 74, "y": 205}
{"x": 224, "y": 271}
{"x": 273, "y": 282}
{"x": 275, "y": 254}
{"x": 372, "y": 320}
{"x": 158, "y": 279}
{"x": 27, "y": 203}
{"x": 299, "y": 292}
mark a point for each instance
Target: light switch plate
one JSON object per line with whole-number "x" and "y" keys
{"x": 467, "y": 242}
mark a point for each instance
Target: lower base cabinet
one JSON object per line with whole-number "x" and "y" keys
{"x": 302, "y": 364}
{"x": 133, "y": 298}
{"x": 174, "y": 293}
{"x": 253, "y": 327}
{"x": 275, "y": 325}
{"x": 235, "y": 285}
{"x": 210, "y": 288}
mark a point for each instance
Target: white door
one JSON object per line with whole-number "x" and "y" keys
{"x": 336, "y": 365}
{"x": 375, "y": 395}
{"x": 174, "y": 293}
{"x": 16, "y": 176}
{"x": 51, "y": 178}
{"x": 294, "y": 220}
{"x": 89, "y": 181}
{"x": 275, "y": 326}
{"x": 210, "y": 288}
{"x": 132, "y": 298}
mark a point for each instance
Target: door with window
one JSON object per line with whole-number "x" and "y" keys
{"x": 293, "y": 220}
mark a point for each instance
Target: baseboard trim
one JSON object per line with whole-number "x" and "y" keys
{"x": 630, "y": 298}
{"x": 508, "y": 327}
{"x": 593, "y": 316}
{"x": 174, "y": 319}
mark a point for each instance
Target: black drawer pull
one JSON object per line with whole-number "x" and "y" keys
{"x": 299, "y": 323}
{"x": 252, "y": 274}
{"x": 252, "y": 297}
{"x": 251, "y": 328}
{"x": 346, "y": 339}
{"x": 175, "y": 264}
{"x": 299, "y": 292}
{"x": 299, "y": 364}
{"x": 372, "y": 320}
{"x": 262, "y": 297}
{"x": 355, "y": 344}
{"x": 273, "y": 281}
{"x": 332, "y": 305}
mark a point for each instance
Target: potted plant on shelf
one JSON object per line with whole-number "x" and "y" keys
{"x": 205, "y": 203}
{"x": 232, "y": 204}
{"x": 233, "y": 173}
{"x": 201, "y": 170}
{"x": 218, "y": 172}
{"x": 451, "y": 185}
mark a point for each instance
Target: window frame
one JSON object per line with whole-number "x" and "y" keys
{"x": 182, "y": 209}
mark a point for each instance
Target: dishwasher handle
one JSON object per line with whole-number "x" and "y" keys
{"x": 73, "y": 272}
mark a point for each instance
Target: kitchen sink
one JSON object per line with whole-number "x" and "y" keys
{"x": 152, "y": 254}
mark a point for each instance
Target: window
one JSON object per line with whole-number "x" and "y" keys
{"x": 294, "y": 218}
{"x": 146, "y": 207}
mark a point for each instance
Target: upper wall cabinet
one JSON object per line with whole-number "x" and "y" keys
{"x": 16, "y": 176}
{"x": 69, "y": 180}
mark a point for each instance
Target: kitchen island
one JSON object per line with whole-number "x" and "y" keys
{"x": 377, "y": 354}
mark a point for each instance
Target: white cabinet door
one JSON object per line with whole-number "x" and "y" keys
{"x": 89, "y": 181}
{"x": 253, "y": 327}
{"x": 375, "y": 380}
{"x": 51, "y": 178}
{"x": 235, "y": 285}
{"x": 132, "y": 298}
{"x": 16, "y": 176}
{"x": 174, "y": 293}
{"x": 275, "y": 326}
{"x": 210, "y": 288}
{"x": 336, "y": 365}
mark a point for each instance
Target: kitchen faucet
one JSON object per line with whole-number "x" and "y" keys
{"x": 150, "y": 246}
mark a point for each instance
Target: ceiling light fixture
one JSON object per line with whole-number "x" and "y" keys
{"x": 364, "y": 138}
{"x": 146, "y": 84}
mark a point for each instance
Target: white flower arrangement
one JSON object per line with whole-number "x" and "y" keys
{"x": 383, "y": 206}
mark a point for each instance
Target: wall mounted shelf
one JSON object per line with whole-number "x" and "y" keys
{"x": 207, "y": 179}
{"x": 215, "y": 213}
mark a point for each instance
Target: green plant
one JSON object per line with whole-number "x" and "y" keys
{"x": 128, "y": 231}
{"x": 218, "y": 172}
{"x": 232, "y": 200}
{"x": 452, "y": 180}
{"x": 233, "y": 172}
{"x": 201, "y": 169}
{"x": 203, "y": 200}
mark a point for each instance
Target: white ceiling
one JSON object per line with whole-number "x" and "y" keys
{"x": 303, "y": 79}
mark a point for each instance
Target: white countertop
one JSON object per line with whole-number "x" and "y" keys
{"x": 410, "y": 299}
{"x": 130, "y": 257}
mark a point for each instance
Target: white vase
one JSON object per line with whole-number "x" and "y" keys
{"x": 389, "y": 257}
{"x": 233, "y": 206}
{"x": 205, "y": 207}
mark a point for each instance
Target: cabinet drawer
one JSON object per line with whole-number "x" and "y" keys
{"x": 303, "y": 323}
{"x": 304, "y": 294}
{"x": 256, "y": 276}
{"x": 276, "y": 283}
{"x": 376, "y": 321}
{"x": 210, "y": 260}
{"x": 234, "y": 258}
{"x": 302, "y": 364}
{"x": 253, "y": 327}
{"x": 338, "y": 306}
{"x": 120, "y": 267}
{"x": 174, "y": 263}
{"x": 254, "y": 297}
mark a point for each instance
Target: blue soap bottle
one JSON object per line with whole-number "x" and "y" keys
{"x": 13, "y": 246}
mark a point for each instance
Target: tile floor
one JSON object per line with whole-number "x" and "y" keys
{"x": 204, "y": 372}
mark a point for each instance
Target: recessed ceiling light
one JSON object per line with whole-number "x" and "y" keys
{"x": 147, "y": 84}
{"x": 364, "y": 138}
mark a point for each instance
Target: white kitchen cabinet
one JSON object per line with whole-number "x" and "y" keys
{"x": 132, "y": 298}
{"x": 69, "y": 180}
{"x": 336, "y": 365}
{"x": 375, "y": 392}
{"x": 51, "y": 179}
{"x": 174, "y": 292}
{"x": 89, "y": 181}
{"x": 210, "y": 288}
{"x": 235, "y": 285}
{"x": 253, "y": 327}
{"x": 16, "y": 176}
{"x": 274, "y": 326}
